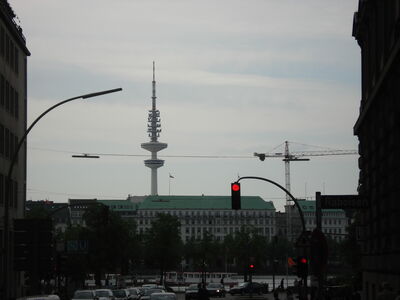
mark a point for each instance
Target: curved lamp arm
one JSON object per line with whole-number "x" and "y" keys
{"x": 286, "y": 191}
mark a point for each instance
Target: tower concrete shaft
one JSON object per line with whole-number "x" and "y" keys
{"x": 154, "y": 129}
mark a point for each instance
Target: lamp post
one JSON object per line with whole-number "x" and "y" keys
{"x": 6, "y": 244}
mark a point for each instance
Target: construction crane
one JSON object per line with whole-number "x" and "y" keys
{"x": 298, "y": 156}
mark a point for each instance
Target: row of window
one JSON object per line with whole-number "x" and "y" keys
{"x": 215, "y": 222}
{"x": 8, "y": 142}
{"x": 200, "y": 213}
{"x": 9, "y": 98}
{"x": 223, "y": 230}
{"x": 326, "y": 214}
{"x": 9, "y": 50}
{"x": 327, "y": 221}
{"x": 13, "y": 191}
{"x": 198, "y": 234}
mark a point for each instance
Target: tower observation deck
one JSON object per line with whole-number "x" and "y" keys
{"x": 154, "y": 129}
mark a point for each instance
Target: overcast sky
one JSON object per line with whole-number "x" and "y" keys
{"x": 233, "y": 78}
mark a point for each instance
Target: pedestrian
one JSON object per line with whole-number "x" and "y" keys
{"x": 281, "y": 286}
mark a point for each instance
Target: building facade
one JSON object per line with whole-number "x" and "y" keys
{"x": 211, "y": 214}
{"x": 13, "y": 119}
{"x": 334, "y": 221}
{"x": 376, "y": 28}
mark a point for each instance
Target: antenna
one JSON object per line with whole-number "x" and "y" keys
{"x": 154, "y": 129}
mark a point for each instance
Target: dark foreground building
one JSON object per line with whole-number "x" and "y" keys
{"x": 13, "y": 116}
{"x": 377, "y": 31}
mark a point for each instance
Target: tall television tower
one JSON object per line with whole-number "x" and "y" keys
{"x": 154, "y": 129}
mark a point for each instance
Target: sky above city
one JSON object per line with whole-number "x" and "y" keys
{"x": 233, "y": 78}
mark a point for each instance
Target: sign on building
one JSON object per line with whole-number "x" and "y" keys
{"x": 342, "y": 202}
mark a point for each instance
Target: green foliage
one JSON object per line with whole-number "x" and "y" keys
{"x": 163, "y": 244}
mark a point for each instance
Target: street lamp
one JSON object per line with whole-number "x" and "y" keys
{"x": 6, "y": 244}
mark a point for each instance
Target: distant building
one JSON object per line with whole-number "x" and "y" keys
{"x": 334, "y": 221}
{"x": 124, "y": 208}
{"x": 13, "y": 119}
{"x": 377, "y": 31}
{"x": 212, "y": 214}
{"x": 77, "y": 208}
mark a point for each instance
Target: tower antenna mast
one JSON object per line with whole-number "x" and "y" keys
{"x": 154, "y": 129}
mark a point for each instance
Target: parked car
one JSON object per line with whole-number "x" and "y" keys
{"x": 84, "y": 295}
{"x": 149, "y": 291}
{"x": 216, "y": 290}
{"x": 163, "y": 296}
{"x": 121, "y": 294}
{"x": 247, "y": 288}
{"x": 134, "y": 293}
{"x": 192, "y": 292}
{"x": 104, "y": 294}
{"x": 149, "y": 285}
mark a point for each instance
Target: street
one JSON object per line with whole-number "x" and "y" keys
{"x": 269, "y": 296}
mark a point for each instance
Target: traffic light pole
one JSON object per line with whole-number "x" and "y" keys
{"x": 304, "y": 278}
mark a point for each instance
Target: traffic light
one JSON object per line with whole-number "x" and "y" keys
{"x": 235, "y": 195}
{"x": 251, "y": 267}
{"x": 302, "y": 266}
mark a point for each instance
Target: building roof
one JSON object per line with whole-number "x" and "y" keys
{"x": 119, "y": 205}
{"x": 202, "y": 202}
{"x": 309, "y": 206}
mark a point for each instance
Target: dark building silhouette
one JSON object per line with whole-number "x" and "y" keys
{"x": 13, "y": 118}
{"x": 377, "y": 30}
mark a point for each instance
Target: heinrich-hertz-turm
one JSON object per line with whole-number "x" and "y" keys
{"x": 154, "y": 129}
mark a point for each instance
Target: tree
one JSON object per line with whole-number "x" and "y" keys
{"x": 163, "y": 244}
{"x": 249, "y": 247}
{"x": 110, "y": 241}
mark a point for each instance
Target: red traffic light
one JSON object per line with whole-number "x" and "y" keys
{"x": 251, "y": 266}
{"x": 235, "y": 195}
{"x": 235, "y": 187}
{"x": 303, "y": 260}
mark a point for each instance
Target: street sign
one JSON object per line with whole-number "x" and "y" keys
{"x": 342, "y": 202}
{"x": 77, "y": 246}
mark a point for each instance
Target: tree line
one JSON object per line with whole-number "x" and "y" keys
{"x": 115, "y": 247}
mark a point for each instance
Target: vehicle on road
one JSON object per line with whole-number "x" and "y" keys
{"x": 192, "y": 292}
{"x": 104, "y": 294}
{"x": 247, "y": 288}
{"x": 163, "y": 296}
{"x": 84, "y": 295}
{"x": 149, "y": 291}
{"x": 134, "y": 293}
{"x": 216, "y": 290}
{"x": 121, "y": 294}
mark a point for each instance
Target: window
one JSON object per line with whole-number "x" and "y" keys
{"x": 2, "y": 139}
{"x": 2, "y": 185}
{"x": 2, "y": 90}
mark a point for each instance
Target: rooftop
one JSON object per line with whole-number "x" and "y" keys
{"x": 202, "y": 202}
